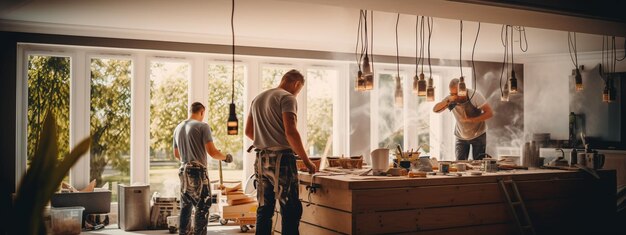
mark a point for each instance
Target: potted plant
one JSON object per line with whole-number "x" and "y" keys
{"x": 42, "y": 179}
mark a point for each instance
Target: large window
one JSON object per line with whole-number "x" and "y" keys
{"x": 110, "y": 121}
{"x": 321, "y": 86}
{"x": 390, "y": 124}
{"x": 168, "y": 107}
{"x": 48, "y": 91}
{"x": 219, "y": 99}
{"x": 271, "y": 76}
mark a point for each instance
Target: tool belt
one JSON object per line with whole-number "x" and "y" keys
{"x": 194, "y": 178}
{"x": 264, "y": 155}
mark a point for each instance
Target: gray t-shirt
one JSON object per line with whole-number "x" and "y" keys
{"x": 190, "y": 137}
{"x": 266, "y": 110}
{"x": 465, "y": 130}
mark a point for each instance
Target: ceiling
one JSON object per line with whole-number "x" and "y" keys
{"x": 323, "y": 25}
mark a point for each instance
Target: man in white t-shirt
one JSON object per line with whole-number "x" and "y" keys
{"x": 470, "y": 112}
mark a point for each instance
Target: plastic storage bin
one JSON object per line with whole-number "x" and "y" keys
{"x": 66, "y": 220}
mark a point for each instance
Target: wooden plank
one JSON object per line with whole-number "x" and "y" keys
{"x": 307, "y": 228}
{"x": 431, "y": 218}
{"x": 362, "y": 182}
{"x": 328, "y": 218}
{"x": 329, "y": 197}
{"x": 425, "y": 197}
{"x": 491, "y": 229}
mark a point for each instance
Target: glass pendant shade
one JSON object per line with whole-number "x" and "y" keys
{"x": 421, "y": 85}
{"x": 367, "y": 73}
{"x": 579, "y": 80}
{"x": 462, "y": 89}
{"x": 513, "y": 83}
{"x": 359, "y": 84}
{"x": 233, "y": 123}
{"x": 505, "y": 93}
{"x": 399, "y": 101}
{"x": 430, "y": 91}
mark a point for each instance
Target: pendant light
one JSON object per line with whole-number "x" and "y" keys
{"x": 365, "y": 75}
{"x": 232, "y": 124}
{"x": 609, "y": 94}
{"x": 430, "y": 90}
{"x": 461, "y": 88}
{"x": 572, "y": 46}
{"x": 399, "y": 101}
{"x": 421, "y": 82}
{"x": 505, "y": 93}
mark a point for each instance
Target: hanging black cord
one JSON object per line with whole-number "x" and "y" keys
{"x": 473, "y": 65}
{"x": 232, "y": 28}
{"x": 397, "y": 49}
{"x": 422, "y": 43}
{"x": 366, "y": 45}
{"x": 512, "y": 49}
{"x": 417, "y": 23}
{"x": 624, "y": 51}
{"x": 431, "y": 25}
{"x": 522, "y": 32}
{"x": 358, "y": 38}
{"x": 372, "y": 42}
{"x": 571, "y": 45}
{"x": 461, "y": 47}
{"x": 614, "y": 54}
{"x": 504, "y": 31}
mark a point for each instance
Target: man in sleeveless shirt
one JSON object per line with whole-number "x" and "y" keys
{"x": 272, "y": 125}
{"x": 470, "y": 115}
{"x": 192, "y": 141}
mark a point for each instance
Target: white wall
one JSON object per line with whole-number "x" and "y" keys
{"x": 546, "y": 91}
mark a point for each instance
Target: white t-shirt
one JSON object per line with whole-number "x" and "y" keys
{"x": 466, "y": 130}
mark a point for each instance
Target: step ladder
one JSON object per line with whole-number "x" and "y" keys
{"x": 517, "y": 207}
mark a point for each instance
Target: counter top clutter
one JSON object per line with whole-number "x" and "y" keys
{"x": 556, "y": 202}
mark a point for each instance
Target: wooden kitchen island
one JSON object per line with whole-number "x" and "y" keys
{"x": 557, "y": 201}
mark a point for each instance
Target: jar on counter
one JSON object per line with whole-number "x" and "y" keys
{"x": 444, "y": 167}
{"x": 491, "y": 165}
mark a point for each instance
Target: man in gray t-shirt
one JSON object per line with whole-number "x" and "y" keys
{"x": 192, "y": 141}
{"x": 272, "y": 126}
{"x": 470, "y": 114}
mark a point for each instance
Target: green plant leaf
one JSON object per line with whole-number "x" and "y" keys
{"x": 43, "y": 178}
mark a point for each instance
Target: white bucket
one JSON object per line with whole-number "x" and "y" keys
{"x": 172, "y": 223}
{"x": 380, "y": 161}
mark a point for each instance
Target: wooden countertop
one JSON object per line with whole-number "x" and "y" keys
{"x": 373, "y": 182}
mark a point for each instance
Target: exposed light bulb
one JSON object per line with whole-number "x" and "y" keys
{"x": 605, "y": 94}
{"x": 513, "y": 83}
{"x": 415, "y": 84}
{"x": 421, "y": 85}
{"x": 462, "y": 89}
{"x": 398, "y": 94}
{"x": 233, "y": 123}
{"x": 430, "y": 91}
{"x": 608, "y": 95}
{"x": 505, "y": 93}
{"x": 579, "y": 80}
{"x": 367, "y": 73}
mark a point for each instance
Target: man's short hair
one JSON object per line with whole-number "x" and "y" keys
{"x": 293, "y": 76}
{"x": 197, "y": 107}
{"x": 454, "y": 83}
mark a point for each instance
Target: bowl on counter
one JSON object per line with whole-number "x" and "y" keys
{"x": 302, "y": 167}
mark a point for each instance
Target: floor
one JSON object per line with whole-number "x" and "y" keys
{"x": 213, "y": 228}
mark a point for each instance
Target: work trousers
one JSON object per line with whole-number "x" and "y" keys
{"x": 195, "y": 193}
{"x": 462, "y": 147}
{"x": 266, "y": 169}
